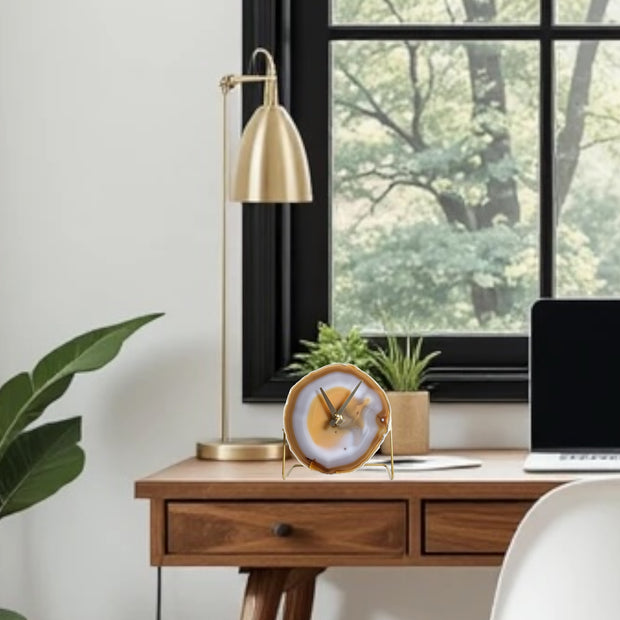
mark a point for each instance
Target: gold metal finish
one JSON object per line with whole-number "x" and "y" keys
{"x": 250, "y": 449}
{"x": 273, "y": 167}
{"x": 338, "y": 417}
{"x": 272, "y": 164}
{"x": 389, "y": 467}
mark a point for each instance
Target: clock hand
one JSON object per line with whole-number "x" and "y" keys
{"x": 346, "y": 402}
{"x": 336, "y": 418}
{"x": 332, "y": 409}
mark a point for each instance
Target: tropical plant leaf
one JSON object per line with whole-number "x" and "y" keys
{"x": 89, "y": 351}
{"x": 38, "y": 463}
{"x": 24, "y": 397}
{"x": 7, "y": 614}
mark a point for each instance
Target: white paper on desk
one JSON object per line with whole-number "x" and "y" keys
{"x": 425, "y": 463}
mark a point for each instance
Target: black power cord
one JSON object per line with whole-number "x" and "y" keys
{"x": 158, "y": 604}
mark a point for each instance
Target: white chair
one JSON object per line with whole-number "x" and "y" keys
{"x": 564, "y": 560}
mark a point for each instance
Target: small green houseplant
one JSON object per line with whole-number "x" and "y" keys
{"x": 333, "y": 347}
{"x": 37, "y": 462}
{"x": 403, "y": 373}
{"x": 403, "y": 370}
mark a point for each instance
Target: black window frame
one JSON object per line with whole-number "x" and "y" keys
{"x": 286, "y": 247}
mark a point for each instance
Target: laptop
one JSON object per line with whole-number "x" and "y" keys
{"x": 575, "y": 385}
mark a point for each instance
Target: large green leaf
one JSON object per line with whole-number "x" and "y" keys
{"x": 38, "y": 463}
{"x": 6, "y": 614}
{"x": 24, "y": 397}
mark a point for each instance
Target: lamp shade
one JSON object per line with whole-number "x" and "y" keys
{"x": 272, "y": 165}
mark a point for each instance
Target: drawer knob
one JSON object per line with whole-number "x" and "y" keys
{"x": 281, "y": 529}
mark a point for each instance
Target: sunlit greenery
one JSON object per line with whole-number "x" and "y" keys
{"x": 575, "y": 11}
{"x": 427, "y": 11}
{"x": 435, "y": 188}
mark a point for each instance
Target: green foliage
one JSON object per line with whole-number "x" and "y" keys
{"x": 393, "y": 368}
{"x": 331, "y": 347}
{"x": 5, "y": 614}
{"x": 403, "y": 371}
{"x": 424, "y": 11}
{"x": 36, "y": 463}
{"x": 426, "y": 270}
{"x": 407, "y": 210}
{"x": 24, "y": 397}
{"x": 435, "y": 171}
{"x": 39, "y": 462}
{"x": 589, "y": 237}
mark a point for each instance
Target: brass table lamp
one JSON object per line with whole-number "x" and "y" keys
{"x": 272, "y": 168}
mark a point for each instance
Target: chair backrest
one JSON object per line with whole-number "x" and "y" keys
{"x": 564, "y": 560}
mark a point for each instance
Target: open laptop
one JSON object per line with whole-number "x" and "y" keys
{"x": 575, "y": 385}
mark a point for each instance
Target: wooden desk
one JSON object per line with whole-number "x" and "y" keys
{"x": 285, "y": 532}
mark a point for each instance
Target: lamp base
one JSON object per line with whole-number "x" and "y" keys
{"x": 245, "y": 449}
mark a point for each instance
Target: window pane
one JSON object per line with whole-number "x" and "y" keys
{"x": 434, "y": 185}
{"x": 588, "y": 11}
{"x": 587, "y": 165}
{"x": 434, "y": 11}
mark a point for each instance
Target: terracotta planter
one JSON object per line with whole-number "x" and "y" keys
{"x": 409, "y": 423}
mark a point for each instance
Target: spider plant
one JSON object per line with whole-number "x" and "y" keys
{"x": 402, "y": 370}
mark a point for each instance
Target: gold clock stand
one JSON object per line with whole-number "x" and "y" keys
{"x": 389, "y": 467}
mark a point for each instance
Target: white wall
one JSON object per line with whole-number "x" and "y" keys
{"x": 109, "y": 203}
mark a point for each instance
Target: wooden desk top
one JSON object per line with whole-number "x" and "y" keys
{"x": 505, "y": 466}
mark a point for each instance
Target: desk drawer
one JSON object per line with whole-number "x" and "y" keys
{"x": 311, "y": 528}
{"x": 470, "y": 527}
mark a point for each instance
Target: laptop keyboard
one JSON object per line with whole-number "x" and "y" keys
{"x": 573, "y": 461}
{"x": 590, "y": 457}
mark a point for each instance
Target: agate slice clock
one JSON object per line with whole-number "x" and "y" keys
{"x": 335, "y": 418}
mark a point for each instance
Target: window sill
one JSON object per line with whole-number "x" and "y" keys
{"x": 505, "y": 385}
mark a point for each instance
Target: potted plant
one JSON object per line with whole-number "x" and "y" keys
{"x": 403, "y": 373}
{"x": 332, "y": 347}
{"x": 37, "y": 462}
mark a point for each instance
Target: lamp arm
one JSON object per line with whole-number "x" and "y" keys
{"x": 270, "y": 79}
{"x": 228, "y": 82}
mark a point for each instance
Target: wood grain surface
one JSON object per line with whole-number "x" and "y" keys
{"x": 209, "y": 513}
{"x": 285, "y": 532}
{"x": 313, "y": 528}
{"x": 484, "y": 526}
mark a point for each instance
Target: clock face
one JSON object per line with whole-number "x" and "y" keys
{"x": 335, "y": 418}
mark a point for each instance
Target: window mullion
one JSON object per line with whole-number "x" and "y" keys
{"x": 547, "y": 218}
{"x": 547, "y": 13}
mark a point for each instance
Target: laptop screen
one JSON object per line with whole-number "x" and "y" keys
{"x": 575, "y": 374}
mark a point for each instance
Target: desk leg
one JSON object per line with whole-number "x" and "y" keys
{"x": 263, "y": 592}
{"x": 266, "y": 586}
{"x": 300, "y": 593}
